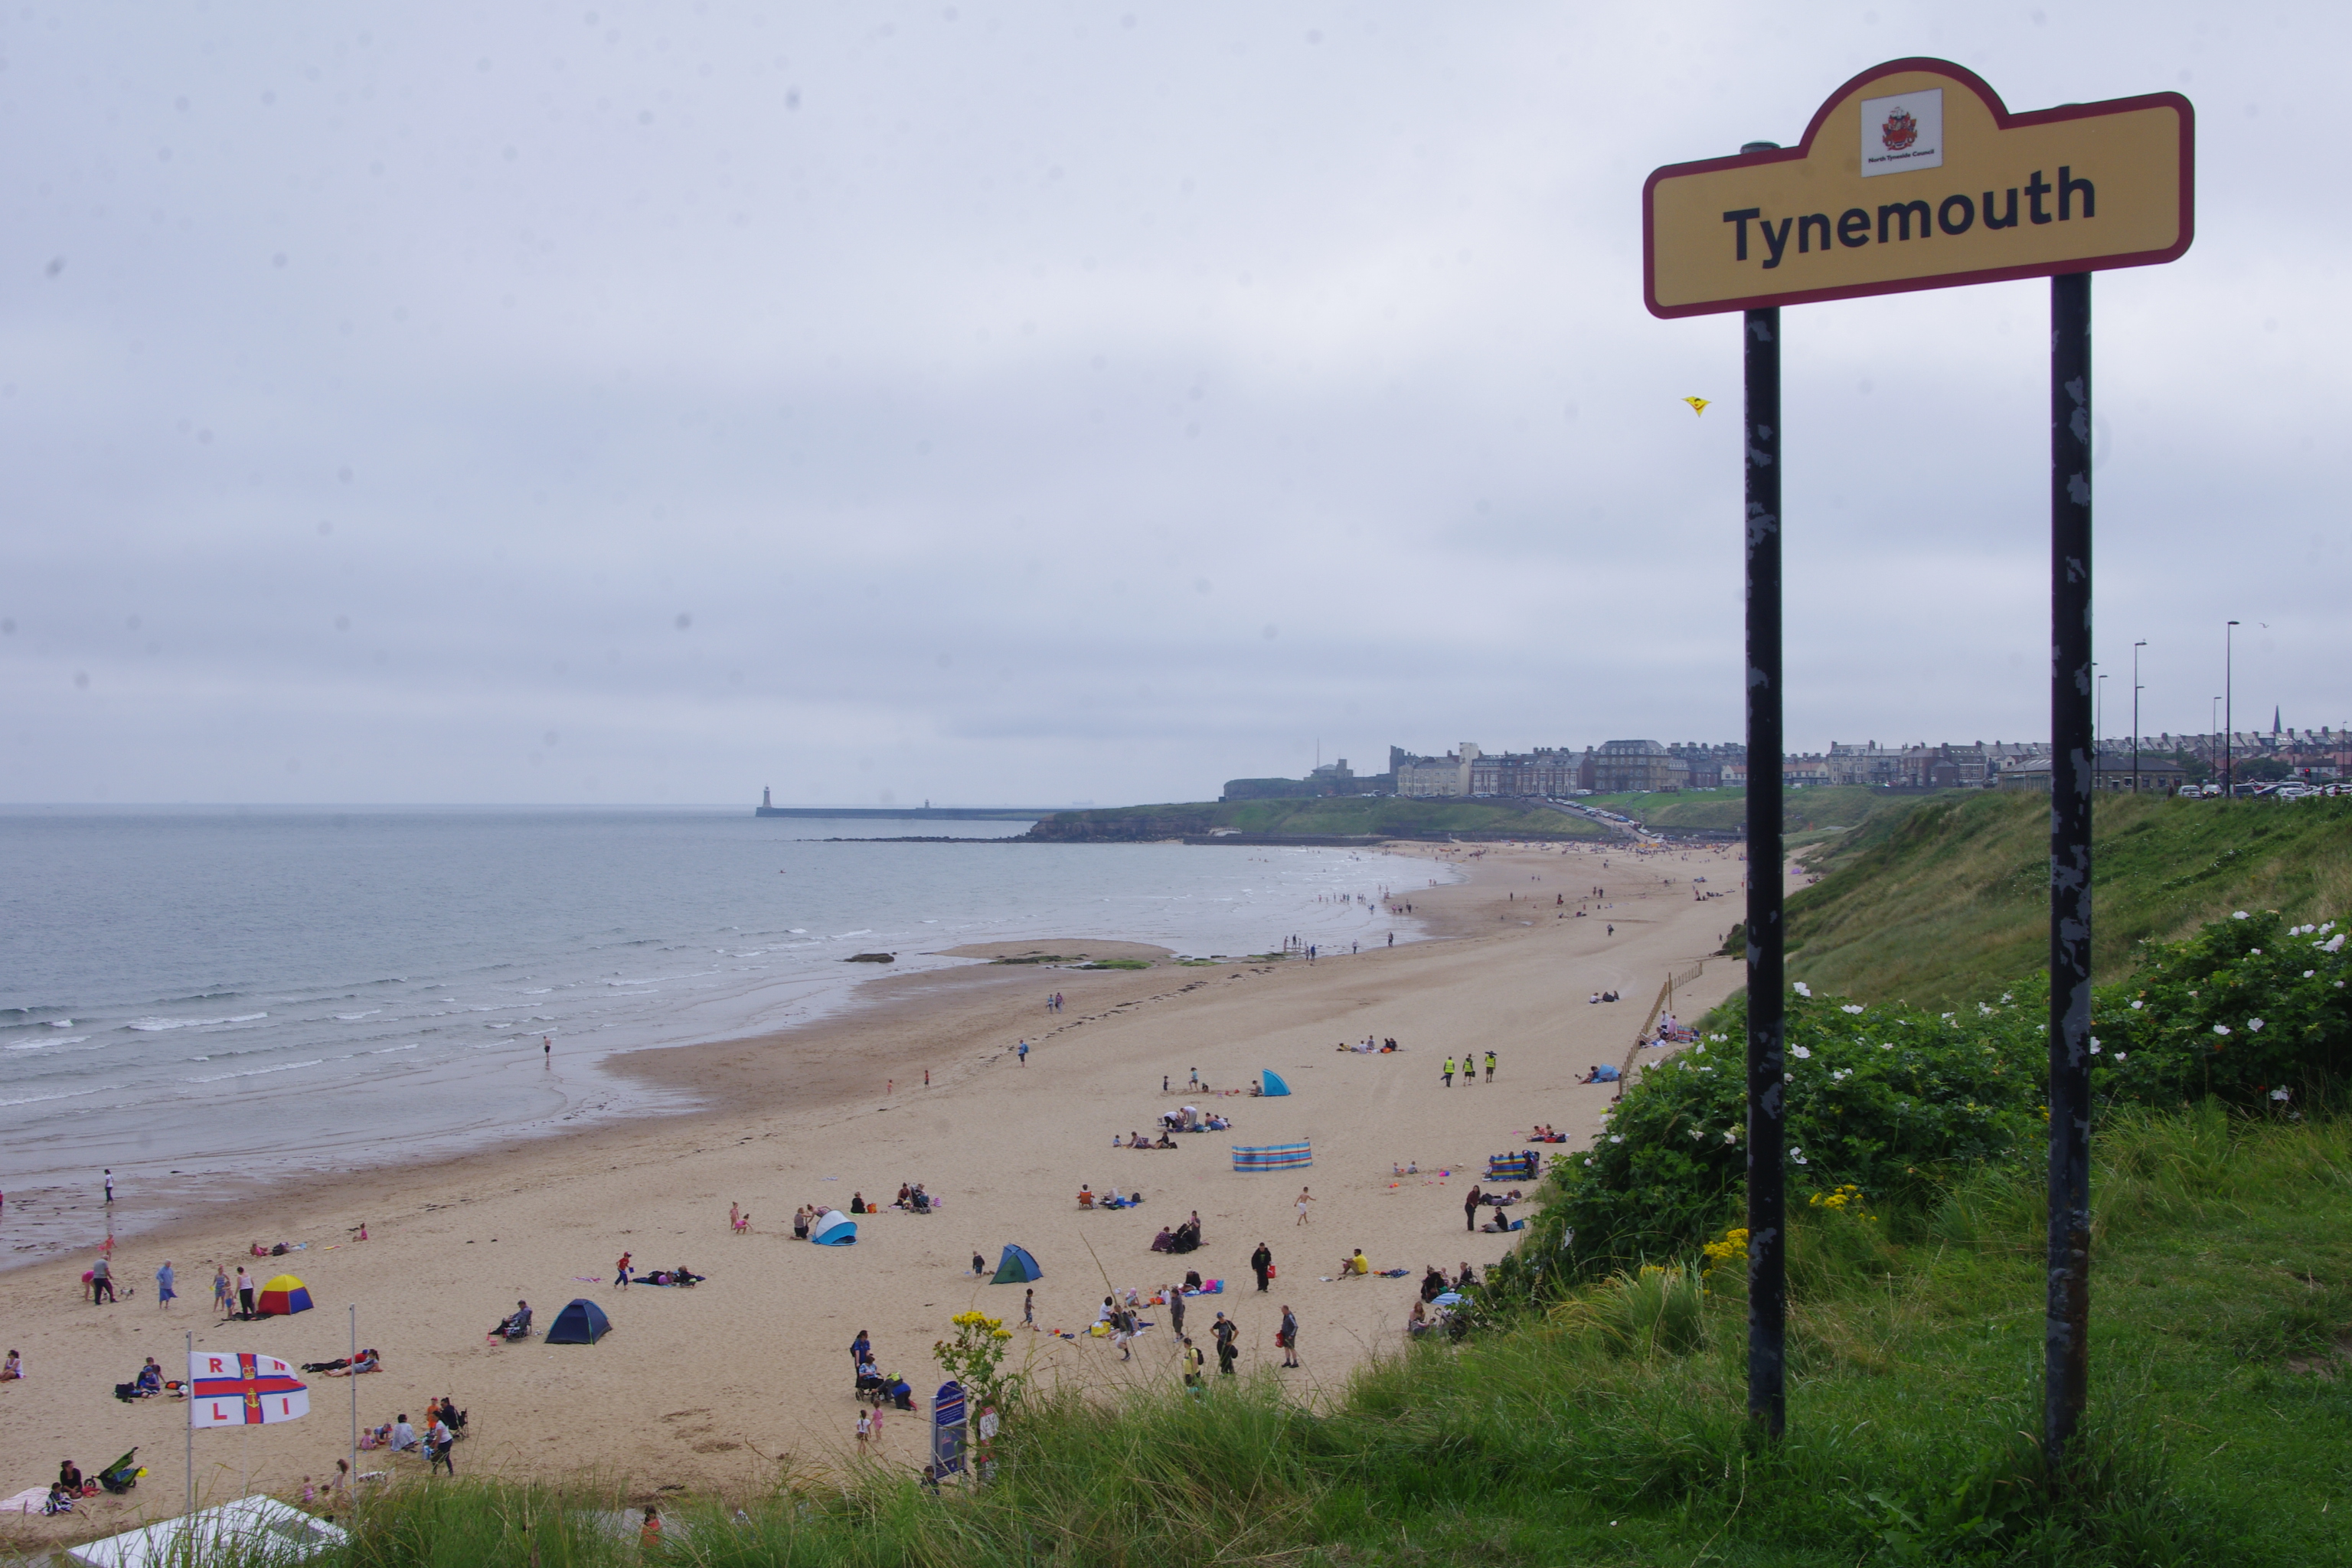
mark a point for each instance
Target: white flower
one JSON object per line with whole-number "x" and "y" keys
{"x": 1588, "y": 1159}
{"x": 1851, "y": 1008}
{"x": 2004, "y": 996}
{"x": 1801, "y": 1054}
{"x": 2220, "y": 1028}
{"x": 1887, "y": 1044}
{"x": 1802, "y": 1160}
{"x": 1802, "y": 989}
{"x": 2279, "y": 1094}
{"x": 2239, "y": 916}
{"x": 1698, "y": 1050}
{"x": 2256, "y": 1024}
{"x": 2255, "y": 951}
{"x": 2137, "y": 1005}
{"x": 1616, "y": 1138}
{"x": 2334, "y": 943}
{"x": 2094, "y": 1045}
{"x": 2120, "y": 1055}
{"x": 1795, "y": 1153}
{"x": 1730, "y": 1135}
{"x": 2309, "y": 972}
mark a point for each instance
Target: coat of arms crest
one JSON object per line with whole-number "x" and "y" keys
{"x": 1899, "y": 131}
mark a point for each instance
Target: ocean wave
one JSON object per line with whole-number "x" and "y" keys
{"x": 388, "y": 1050}
{"x": 61, "y": 1023}
{"x": 355, "y": 1017}
{"x": 257, "y": 1072}
{"x": 151, "y": 1026}
{"x": 37, "y": 1099}
{"x": 48, "y": 1045}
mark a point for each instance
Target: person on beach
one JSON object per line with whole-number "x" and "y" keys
{"x": 1470, "y": 1208}
{"x": 1024, "y": 1053}
{"x": 1262, "y": 1264}
{"x": 14, "y": 1369}
{"x": 438, "y": 1442}
{"x": 403, "y": 1436}
{"x": 1224, "y": 1330}
{"x": 735, "y": 1218}
{"x": 649, "y": 1532}
{"x": 101, "y": 1279}
{"x": 110, "y": 1188}
{"x": 861, "y": 1349}
{"x": 220, "y": 1290}
{"x": 1029, "y": 1310}
{"x": 1305, "y": 1197}
{"x": 620, "y": 1271}
{"x": 865, "y": 1426}
{"x": 1490, "y": 1067}
{"x": 164, "y": 1294}
{"x": 1288, "y": 1336}
{"x": 1194, "y": 1361}
{"x": 979, "y": 1264}
{"x": 1449, "y": 1072}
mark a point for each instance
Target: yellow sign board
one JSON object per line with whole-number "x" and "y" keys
{"x": 1913, "y": 176}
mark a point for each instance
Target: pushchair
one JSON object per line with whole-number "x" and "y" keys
{"x": 122, "y": 1475}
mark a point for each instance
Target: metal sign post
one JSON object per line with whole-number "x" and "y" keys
{"x": 1768, "y": 1206}
{"x": 1915, "y": 175}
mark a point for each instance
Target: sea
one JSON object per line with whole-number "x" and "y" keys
{"x": 191, "y": 995}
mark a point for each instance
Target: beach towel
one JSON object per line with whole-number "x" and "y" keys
{"x": 32, "y": 1499}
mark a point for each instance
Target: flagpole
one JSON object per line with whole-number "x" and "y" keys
{"x": 191, "y": 1387}
{"x": 353, "y": 1378}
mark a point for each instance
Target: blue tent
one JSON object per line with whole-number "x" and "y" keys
{"x": 834, "y": 1229}
{"x": 1016, "y": 1268}
{"x": 1273, "y": 1084}
{"x": 581, "y": 1323}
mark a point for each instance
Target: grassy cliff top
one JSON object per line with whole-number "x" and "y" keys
{"x": 1336, "y": 816}
{"x": 1949, "y": 900}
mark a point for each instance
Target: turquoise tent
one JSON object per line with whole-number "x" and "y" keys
{"x": 1017, "y": 1268}
{"x": 834, "y": 1229}
{"x": 1273, "y": 1084}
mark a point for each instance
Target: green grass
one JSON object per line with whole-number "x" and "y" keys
{"x": 1949, "y": 901}
{"x": 1335, "y": 816}
{"x": 1611, "y": 1431}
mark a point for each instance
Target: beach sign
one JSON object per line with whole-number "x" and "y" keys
{"x": 949, "y": 1410}
{"x": 1916, "y": 175}
{"x": 242, "y": 1389}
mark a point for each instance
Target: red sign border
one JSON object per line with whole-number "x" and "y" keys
{"x": 2001, "y": 117}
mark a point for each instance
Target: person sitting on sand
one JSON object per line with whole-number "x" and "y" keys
{"x": 403, "y": 1436}
{"x": 151, "y": 1379}
{"x": 1418, "y": 1323}
{"x": 1086, "y": 1197}
{"x": 14, "y": 1369}
{"x": 905, "y": 1194}
{"x": 1355, "y": 1266}
{"x": 1165, "y": 1141}
{"x": 1165, "y": 1241}
{"x": 515, "y": 1325}
{"x": 1433, "y": 1283}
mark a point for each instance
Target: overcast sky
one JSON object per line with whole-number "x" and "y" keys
{"x": 1033, "y": 403}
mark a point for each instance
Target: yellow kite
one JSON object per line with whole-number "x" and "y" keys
{"x": 1698, "y": 404}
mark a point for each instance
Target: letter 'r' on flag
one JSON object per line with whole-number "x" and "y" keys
{"x": 228, "y": 1389}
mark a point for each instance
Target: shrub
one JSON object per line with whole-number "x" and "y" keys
{"x": 2249, "y": 1010}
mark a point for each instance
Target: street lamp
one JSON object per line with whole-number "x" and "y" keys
{"x": 2099, "y": 724}
{"x": 2136, "y": 690}
{"x": 2229, "y": 711}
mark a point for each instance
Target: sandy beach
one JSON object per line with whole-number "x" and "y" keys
{"x": 720, "y": 1386}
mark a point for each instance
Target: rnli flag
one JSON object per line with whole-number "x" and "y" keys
{"x": 243, "y": 1390}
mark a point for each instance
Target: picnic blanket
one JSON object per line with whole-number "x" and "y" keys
{"x": 32, "y": 1499}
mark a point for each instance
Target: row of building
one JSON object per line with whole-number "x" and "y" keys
{"x": 2158, "y": 764}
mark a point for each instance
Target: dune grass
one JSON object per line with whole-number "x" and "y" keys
{"x": 1949, "y": 901}
{"x": 1610, "y": 1428}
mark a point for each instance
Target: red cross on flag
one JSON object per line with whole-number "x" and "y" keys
{"x": 243, "y": 1390}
